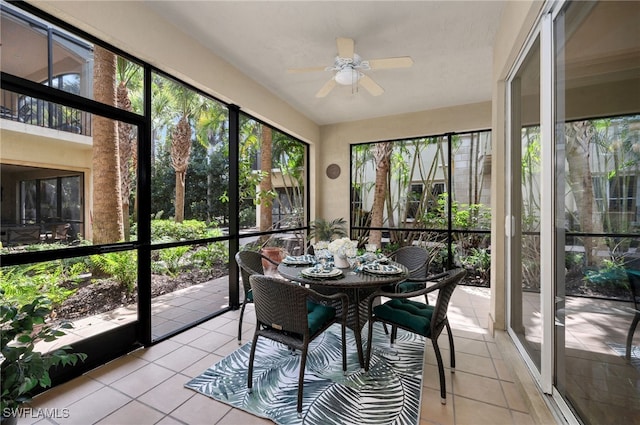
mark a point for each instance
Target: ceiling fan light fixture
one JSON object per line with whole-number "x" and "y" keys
{"x": 347, "y": 76}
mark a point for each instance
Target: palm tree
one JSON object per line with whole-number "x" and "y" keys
{"x": 288, "y": 157}
{"x": 129, "y": 76}
{"x": 382, "y": 159}
{"x": 256, "y": 138}
{"x": 212, "y": 133}
{"x": 266, "y": 195}
{"x": 580, "y": 136}
{"x": 107, "y": 209}
{"x": 323, "y": 230}
{"x": 188, "y": 104}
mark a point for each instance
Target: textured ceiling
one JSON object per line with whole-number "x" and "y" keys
{"x": 450, "y": 42}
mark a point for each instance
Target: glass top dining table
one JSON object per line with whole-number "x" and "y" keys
{"x": 358, "y": 285}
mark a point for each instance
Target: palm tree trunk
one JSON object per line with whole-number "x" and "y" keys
{"x": 180, "y": 153}
{"x": 382, "y": 159}
{"x": 107, "y": 224}
{"x": 127, "y": 154}
{"x": 179, "y": 202}
{"x": 581, "y": 181}
{"x": 266, "y": 185}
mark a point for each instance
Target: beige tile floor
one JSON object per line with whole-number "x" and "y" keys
{"x": 146, "y": 386}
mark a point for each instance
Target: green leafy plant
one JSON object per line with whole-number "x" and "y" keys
{"x": 612, "y": 273}
{"x": 207, "y": 256}
{"x": 123, "y": 266}
{"x": 172, "y": 258}
{"x": 23, "y": 283}
{"x": 188, "y": 229}
{"x": 23, "y": 368}
{"x": 479, "y": 260}
{"x": 323, "y": 230}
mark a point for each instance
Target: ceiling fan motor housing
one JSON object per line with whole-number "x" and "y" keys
{"x": 348, "y": 66}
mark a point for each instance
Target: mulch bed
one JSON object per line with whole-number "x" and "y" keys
{"x": 103, "y": 295}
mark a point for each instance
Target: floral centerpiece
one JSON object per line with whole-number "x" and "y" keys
{"x": 320, "y": 245}
{"x": 342, "y": 249}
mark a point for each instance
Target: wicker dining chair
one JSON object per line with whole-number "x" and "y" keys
{"x": 416, "y": 259}
{"x": 634, "y": 287}
{"x": 294, "y": 315}
{"x": 249, "y": 263}
{"x": 414, "y": 316}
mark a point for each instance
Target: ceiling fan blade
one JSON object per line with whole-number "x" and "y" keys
{"x": 328, "y": 86}
{"x": 309, "y": 69}
{"x": 387, "y": 63}
{"x": 345, "y": 47}
{"x": 371, "y": 86}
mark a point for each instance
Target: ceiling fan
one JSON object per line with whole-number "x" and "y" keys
{"x": 348, "y": 66}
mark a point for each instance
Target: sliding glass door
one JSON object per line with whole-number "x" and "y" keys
{"x": 575, "y": 167}
{"x": 597, "y": 130}
{"x": 526, "y": 317}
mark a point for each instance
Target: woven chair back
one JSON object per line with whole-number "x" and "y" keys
{"x": 280, "y": 304}
{"x": 634, "y": 286}
{"x": 415, "y": 259}
{"x": 445, "y": 291}
{"x": 249, "y": 262}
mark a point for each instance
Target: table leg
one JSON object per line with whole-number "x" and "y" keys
{"x": 356, "y": 315}
{"x": 359, "y": 299}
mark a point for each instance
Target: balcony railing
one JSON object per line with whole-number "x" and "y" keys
{"x": 38, "y": 112}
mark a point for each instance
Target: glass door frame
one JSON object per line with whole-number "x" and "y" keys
{"x": 545, "y": 376}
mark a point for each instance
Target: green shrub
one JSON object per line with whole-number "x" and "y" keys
{"x": 123, "y": 266}
{"x": 612, "y": 273}
{"x": 207, "y": 256}
{"x": 172, "y": 258}
{"x": 479, "y": 260}
{"x": 22, "y": 367}
{"x": 247, "y": 217}
{"x": 22, "y": 284}
{"x": 187, "y": 230}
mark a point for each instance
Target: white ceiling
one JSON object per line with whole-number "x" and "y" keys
{"x": 450, "y": 42}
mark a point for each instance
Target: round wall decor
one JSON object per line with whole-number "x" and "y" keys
{"x": 333, "y": 171}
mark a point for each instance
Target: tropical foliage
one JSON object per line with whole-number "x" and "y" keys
{"x": 602, "y": 163}
{"x": 22, "y": 367}
{"x": 428, "y": 201}
{"x": 321, "y": 229}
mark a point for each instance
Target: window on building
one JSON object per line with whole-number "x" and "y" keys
{"x": 51, "y": 202}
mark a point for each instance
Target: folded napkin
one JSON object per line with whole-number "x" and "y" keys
{"x": 300, "y": 259}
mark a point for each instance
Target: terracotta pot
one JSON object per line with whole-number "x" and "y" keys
{"x": 274, "y": 253}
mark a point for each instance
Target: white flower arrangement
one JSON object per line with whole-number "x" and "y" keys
{"x": 320, "y": 245}
{"x": 343, "y": 247}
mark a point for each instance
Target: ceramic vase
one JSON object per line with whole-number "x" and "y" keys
{"x": 341, "y": 262}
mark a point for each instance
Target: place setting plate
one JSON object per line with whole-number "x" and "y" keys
{"x": 317, "y": 273}
{"x": 385, "y": 269}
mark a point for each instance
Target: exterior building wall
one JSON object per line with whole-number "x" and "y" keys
{"x": 33, "y": 146}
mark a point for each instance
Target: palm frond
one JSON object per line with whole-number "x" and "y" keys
{"x": 388, "y": 394}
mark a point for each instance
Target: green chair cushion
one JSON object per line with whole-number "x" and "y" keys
{"x": 409, "y": 286}
{"x": 249, "y": 296}
{"x": 409, "y": 314}
{"x": 318, "y": 315}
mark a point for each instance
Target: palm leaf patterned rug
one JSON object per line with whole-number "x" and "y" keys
{"x": 388, "y": 394}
